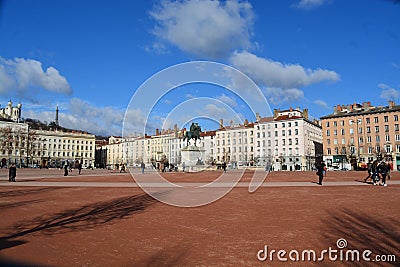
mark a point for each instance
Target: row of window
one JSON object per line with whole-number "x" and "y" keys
{"x": 361, "y": 139}
{"x": 359, "y": 121}
{"x": 360, "y": 130}
{"x": 67, "y": 141}
{"x": 370, "y": 150}
{"x": 44, "y": 154}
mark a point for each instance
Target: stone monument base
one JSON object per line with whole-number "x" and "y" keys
{"x": 193, "y": 158}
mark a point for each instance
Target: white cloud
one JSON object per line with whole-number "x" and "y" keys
{"x": 209, "y": 29}
{"x": 213, "y": 111}
{"x": 270, "y": 73}
{"x": 81, "y": 115}
{"x": 21, "y": 74}
{"x": 388, "y": 93}
{"x": 227, "y": 100}
{"x": 281, "y": 95}
{"x": 321, "y": 103}
{"x": 309, "y": 4}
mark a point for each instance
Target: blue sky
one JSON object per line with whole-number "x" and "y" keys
{"x": 90, "y": 57}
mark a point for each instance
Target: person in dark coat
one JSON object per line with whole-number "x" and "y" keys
{"x": 224, "y": 166}
{"x": 369, "y": 170}
{"x": 375, "y": 172}
{"x": 12, "y": 173}
{"x": 383, "y": 170}
{"x": 321, "y": 168}
{"x": 66, "y": 169}
{"x": 142, "y": 165}
{"x": 79, "y": 168}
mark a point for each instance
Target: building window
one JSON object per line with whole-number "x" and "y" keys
{"x": 369, "y": 139}
{"x": 296, "y": 141}
{"x": 335, "y": 132}
{"x": 335, "y": 123}
{"x": 327, "y": 124}
{"x": 361, "y": 140}
{"x": 296, "y": 132}
{"x": 397, "y": 136}
{"x": 396, "y": 127}
{"x": 335, "y": 141}
{"x": 350, "y": 122}
{"x": 369, "y": 150}
{"x": 336, "y": 151}
{"x": 386, "y": 128}
{"x": 329, "y": 151}
{"x": 387, "y": 138}
{"x": 368, "y": 129}
{"x": 396, "y": 118}
{"x": 377, "y": 138}
{"x": 328, "y": 141}
{"x": 342, "y": 122}
{"x": 368, "y": 120}
{"x": 376, "y": 119}
{"x": 343, "y": 132}
{"x": 343, "y": 141}
{"x": 377, "y": 129}
{"x": 386, "y": 118}
{"x": 360, "y": 130}
{"x": 351, "y": 131}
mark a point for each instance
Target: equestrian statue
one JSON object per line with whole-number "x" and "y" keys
{"x": 194, "y": 133}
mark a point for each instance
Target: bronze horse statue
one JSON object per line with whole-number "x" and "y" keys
{"x": 194, "y": 133}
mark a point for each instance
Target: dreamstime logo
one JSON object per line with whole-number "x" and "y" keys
{"x": 145, "y": 106}
{"x": 340, "y": 254}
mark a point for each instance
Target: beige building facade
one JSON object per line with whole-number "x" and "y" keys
{"x": 358, "y": 133}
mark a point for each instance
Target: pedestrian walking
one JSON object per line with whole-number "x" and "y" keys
{"x": 122, "y": 168}
{"x": 12, "y": 173}
{"x": 375, "y": 172}
{"x": 320, "y": 172}
{"x": 142, "y": 165}
{"x": 66, "y": 169}
{"x": 369, "y": 170}
{"x": 224, "y": 166}
{"x": 183, "y": 166}
{"x": 383, "y": 170}
{"x": 79, "y": 168}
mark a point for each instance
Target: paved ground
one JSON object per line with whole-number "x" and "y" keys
{"x": 102, "y": 218}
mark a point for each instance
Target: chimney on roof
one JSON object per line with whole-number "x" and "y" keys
{"x": 246, "y": 122}
{"x": 157, "y": 131}
{"x": 391, "y": 104}
{"x": 258, "y": 118}
{"x": 276, "y": 112}
{"x": 334, "y": 109}
{"x": 291, "y": 109}
{"x": 221, "y": 123}
{"x": 305, "y": 113}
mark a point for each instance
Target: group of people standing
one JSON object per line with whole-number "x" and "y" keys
{"x": 376, "y": 170}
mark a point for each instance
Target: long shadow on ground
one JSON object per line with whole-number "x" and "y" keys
{"x": 82, "y": 218}
{"x": 361, "y": 231}
{"x": 24, "y": 192}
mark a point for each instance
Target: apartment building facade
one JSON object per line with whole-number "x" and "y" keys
{"x": 358, "y": 133}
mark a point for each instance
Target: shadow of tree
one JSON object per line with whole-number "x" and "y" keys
{"x": 362, "y": 231}
{"x": 83, "y": 218}
{"x": 172, "y": 256}
{"x": 24, "y": 192}
{"x": 13, "y": 204}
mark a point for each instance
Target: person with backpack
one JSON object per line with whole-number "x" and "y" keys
{"x": 383, "y": 170}
{"x": 375, "y": 172}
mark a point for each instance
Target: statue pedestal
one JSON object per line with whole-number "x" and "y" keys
{"x": 193, "y": 157}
